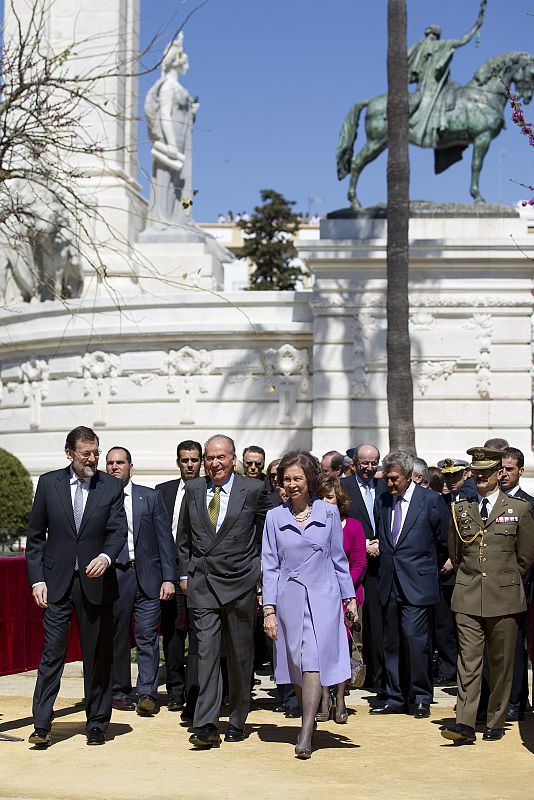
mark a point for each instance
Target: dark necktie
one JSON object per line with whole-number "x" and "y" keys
{"x": 124, "y": 555}
{"x": 215, "y": 506}
{"x": 484, "y": 514}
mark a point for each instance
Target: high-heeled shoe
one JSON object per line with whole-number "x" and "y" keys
{"x": 305, "y": 752}
{"x": 324, "y": 716}
{"x": 302, "y": 752}
{"x": 341, "y": 717}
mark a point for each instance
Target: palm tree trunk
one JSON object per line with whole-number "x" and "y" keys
{"x": 399, "y": 376}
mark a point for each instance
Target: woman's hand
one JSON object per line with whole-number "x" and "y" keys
{"x": 270, "y": 626}
{"x": 351, "y": 612}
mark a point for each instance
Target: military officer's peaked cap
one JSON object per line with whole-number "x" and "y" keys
{"x": 448, "y": 465}
{"x": 484, "y": 457}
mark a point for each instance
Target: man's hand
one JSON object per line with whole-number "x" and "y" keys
{"x": 372, "y": 548}
{"x": 167, "y": 590}
{"x": 40, "y": 595}
{"x": 96, "y": 567}
{"x": 183, "y": 585}
{"x": 447, "y": 568}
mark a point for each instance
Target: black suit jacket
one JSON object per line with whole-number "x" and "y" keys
{"x": 221, "y": 566}
{"x": 169, "y": 490}
{"x": 423, "y": 541}
{"x": 52, "y": 546}
{"x": 155, "y": 556}
{"x": 358, "y": 510}
{"x": 525, "y": 496}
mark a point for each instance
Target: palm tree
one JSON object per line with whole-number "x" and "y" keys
{"x": 399, "y": 376}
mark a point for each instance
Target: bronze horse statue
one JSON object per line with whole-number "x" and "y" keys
{"x": 471, "y": 114}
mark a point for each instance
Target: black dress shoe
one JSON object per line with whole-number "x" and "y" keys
{"x": 187, "y": 716}
{"x": 422, "y": 710}
{"x": 387, "y": 709}
{"x": 123, "y": 704}
{"x": 515, "y": 715}
{"x": 493, "y": 734}
{"x": 292, "y": 713}
{"x": 146, "y": 706}
{"x": 40, "y": 738}
{"x": 175, "y": 704}
{"x": 205, "y": 737}
{"x": 234, "y": 734}
{"x": 459, "y": 733}
{"x": 96, "y": 736}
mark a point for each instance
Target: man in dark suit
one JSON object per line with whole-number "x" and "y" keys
{"x": 491, "y": 544}
{"x": 76, "y": 530}
{"x": 364, "y": 490}
{"x": 146, "y": 574}
{"x": 512, "y": 467}
{"x": 219, "y": 565}
{"x": 176, "y": 624}
{"x": 412, "y": 524}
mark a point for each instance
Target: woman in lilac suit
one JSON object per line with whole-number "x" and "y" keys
{"x": 331, "y": 491}
{"x": 305, "y": 579}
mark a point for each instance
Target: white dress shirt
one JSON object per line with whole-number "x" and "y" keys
{"x": 226, "y": 488}
{"x": 405, "y": 504}
{"x": 128, "y": 507}
{"x": 492, "y": 499}
{"x": 177, "y": 506}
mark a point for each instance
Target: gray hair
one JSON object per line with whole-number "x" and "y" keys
{"x": 420, "y": 469}
{"x": 227, "y": 439}
{"x": 400, "y": 459}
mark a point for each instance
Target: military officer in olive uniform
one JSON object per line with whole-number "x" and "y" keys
{"x": 491, "y": 545}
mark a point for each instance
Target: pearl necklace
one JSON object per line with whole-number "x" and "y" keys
{"x": 302, "y": 516}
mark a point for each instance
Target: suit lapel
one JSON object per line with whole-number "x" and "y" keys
{"x": 96, "y": 488}
{"x": 497, "y": 510}
{"x": 137, "y": 510}
{"x": 65, "y": 497}
{"x": 235, "y": 504}
{"x": 356, "y": 492}
{"x": 414, "y": 509}
{"x": 387, "y": 518}
{"x": 200, "y": 500}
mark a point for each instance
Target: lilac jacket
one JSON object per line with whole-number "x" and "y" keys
{"x": 305, "y": 571}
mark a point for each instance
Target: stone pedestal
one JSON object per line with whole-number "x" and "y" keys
{"x": 470, "y": 325}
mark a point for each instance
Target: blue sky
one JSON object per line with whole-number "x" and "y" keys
{"x": 276, "y": 79}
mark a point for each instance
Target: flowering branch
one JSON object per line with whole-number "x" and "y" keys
{"x": 526, "y": 128}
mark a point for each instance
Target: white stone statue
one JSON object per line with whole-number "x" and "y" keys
{"x": 38, "y": 249}
{"x": 170, "y": 112}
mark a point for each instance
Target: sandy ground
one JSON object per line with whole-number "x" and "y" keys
{"x": 398, "y": 758}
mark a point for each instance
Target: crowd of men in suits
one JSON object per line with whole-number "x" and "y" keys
{"x": 449, "y": 550}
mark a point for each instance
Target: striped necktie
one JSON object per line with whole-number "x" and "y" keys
{"x": 215, "y": 506}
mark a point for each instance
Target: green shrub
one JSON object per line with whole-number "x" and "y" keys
{"x": 16, "y": 492}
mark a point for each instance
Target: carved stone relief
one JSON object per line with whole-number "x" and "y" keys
{"x": 100, "y": 372}
{"x": 34, "y": 377}
{"x": 286, "y": 371}
{"x": 191, "y": 366}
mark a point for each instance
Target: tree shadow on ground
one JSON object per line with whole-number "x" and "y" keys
{"x": 23, "y": 722}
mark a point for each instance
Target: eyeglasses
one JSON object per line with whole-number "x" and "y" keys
{"x": 253, "y": 464}
{"x": 86, "y": 455}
